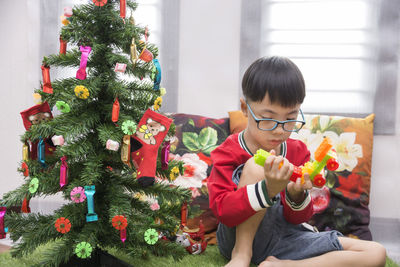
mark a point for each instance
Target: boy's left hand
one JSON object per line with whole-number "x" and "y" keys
{"x": 296, "y": 189}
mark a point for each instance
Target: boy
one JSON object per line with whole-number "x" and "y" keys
{"x": 259, "y": 208}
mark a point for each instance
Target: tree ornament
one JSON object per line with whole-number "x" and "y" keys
{"x": 36, "y": 115}
{"x": 25, "y": 206}
{"x": 122, "y": 8}
{"x": 33, "y": 185}
{"x": 81, "y": 73}
{"x": 157, "y": 74}
{"x": 122, "y": 235}
{"x": 163, "y": 91}
{"x": 46, "y": 79}
{"x": 154, "y": 206}
{"x": 119, "y": 222}
{"x": 83, "y": 250}
{"x": 157, "y": 103}
{"x": 25, "y": 168}
{"x": 63, "y": 172}
{"x": 90, "y": 190}
{"x": 112, "y": 145}
{"x": 129, "y": 127}
{"x": 115, "y": 111}
{"x": 78, "y": 194}
{"x": 63, "y": 46}
{"x": 62, "y": 225}
{"x": 41, "y": 152}
{"x": 2, "y": 228}
{"x": 63, "y": 107}
{"x": 58, "y": 140}
{"x": 68, "y": 11}
{"x": 64, "y": 20}
{"x": 100, "y": 2}
{"x": 126, "y": 149}
{"x": 165, "y": 154}
{"x": 120, "y": 67}
{"x": 81, "y": 92}
{"x": 25, "y": 152}
{"x": 134, "y": 55}
{"x": 151, "y": 236}
{"x": 37, "y": 98}
{"x": 184, "y": 214}
{"x": 146, "y": 55}
{"x": 153, "y": 127}
{"x": 174, "y": 173}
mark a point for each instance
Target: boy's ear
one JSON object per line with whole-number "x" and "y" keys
{"x": 243, "y": 106}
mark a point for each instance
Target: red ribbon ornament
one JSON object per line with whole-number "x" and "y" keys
{"x": 81, "y": 73}
{"x": 184, "y": 214}
{"x": 115, "y": 110}
{"x": 63, "y": 172}
{"x": 25, "y": 206}
{"x": 122, "y": 8}
{"x": 63, "y": 46}
{"x": 46, "y": 80}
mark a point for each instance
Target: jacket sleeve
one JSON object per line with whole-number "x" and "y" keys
{"x": 294, "y": 213}
{"x": 231, "y": 205}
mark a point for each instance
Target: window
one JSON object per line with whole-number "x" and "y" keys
{"x": 333, "y": 44}
{"x": 148, "y": 13}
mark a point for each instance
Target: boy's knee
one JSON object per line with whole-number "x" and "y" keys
{"x": 380, "y": 253}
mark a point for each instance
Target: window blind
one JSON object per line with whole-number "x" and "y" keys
{"x": 334, "y": 45}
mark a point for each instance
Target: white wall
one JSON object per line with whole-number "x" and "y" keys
{"x": 209, "y": 56}
{"x": 19, "y": 75}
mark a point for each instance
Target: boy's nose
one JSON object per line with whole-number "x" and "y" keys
{"x": 279, "y": 129}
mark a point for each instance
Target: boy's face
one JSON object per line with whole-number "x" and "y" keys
{"x": 267, "y": 140}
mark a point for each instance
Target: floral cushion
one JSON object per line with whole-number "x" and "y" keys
{"x": 195, "y": 138}
{"x": 342, "y": 204}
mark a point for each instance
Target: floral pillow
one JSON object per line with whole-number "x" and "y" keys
{"x": 342, "y": 204}
{"x": 195, "y": 138}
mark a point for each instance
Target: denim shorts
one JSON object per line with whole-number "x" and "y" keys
{"x": 276, "y": 237}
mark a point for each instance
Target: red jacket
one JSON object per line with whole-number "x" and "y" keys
{"x": 231, "y": 205}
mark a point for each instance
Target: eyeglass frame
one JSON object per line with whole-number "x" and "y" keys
{"x": 257, "y": 120}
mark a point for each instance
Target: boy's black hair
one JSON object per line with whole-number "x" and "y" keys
{"x": 276, "y": 76}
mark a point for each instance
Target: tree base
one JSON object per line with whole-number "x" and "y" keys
{"x": 99, "y": 258}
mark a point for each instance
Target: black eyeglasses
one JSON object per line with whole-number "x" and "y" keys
{"x": 271, "y": 124}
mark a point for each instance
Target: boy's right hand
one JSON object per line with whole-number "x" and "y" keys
{"x": 277, "y": 171}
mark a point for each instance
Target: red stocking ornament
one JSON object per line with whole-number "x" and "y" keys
{"x": 152, "y": 129}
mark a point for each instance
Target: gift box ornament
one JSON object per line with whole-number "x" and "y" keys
{"x": 58, "y": 140}
{"x": 112, "y": 145}
{"x": 120, "y": 67}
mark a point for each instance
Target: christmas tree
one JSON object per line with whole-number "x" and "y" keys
{"x": 104, "y": 149}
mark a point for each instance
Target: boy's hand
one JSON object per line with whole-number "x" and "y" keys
{"x": 277, "y": 171}
{"x": 296, "y": 189}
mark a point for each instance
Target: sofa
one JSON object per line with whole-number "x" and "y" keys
{"x": 342, "y": 204}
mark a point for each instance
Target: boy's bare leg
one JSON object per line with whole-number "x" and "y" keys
{"x": 355, "y": 253}
{"x": 245, "y": 232}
